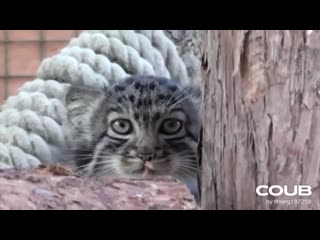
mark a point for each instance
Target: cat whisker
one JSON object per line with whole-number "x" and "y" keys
{"x": 180, "y": 94}
{"x": 179, "y": 101}
{"x": 185, "y": 173}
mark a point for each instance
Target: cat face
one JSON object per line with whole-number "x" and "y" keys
{"x": 144, "y": 126}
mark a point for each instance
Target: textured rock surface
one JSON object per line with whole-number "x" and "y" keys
{"x": 56, "y": 188}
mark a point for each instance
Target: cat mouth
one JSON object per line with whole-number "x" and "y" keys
{"x": 149, "y": 165}
{"x": 148, "y": 170}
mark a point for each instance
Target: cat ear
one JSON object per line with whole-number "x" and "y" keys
{"x": 79, "y": 100}
{"x": 195, "y": 94}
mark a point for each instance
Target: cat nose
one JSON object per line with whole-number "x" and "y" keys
{"x": 145, "y": 156}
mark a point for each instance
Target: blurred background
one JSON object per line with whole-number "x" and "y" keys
{"x": 21, "y": 52}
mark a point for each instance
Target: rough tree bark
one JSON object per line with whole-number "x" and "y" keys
{"x": 56, "y": 188}
{"x": 261, "y": 117}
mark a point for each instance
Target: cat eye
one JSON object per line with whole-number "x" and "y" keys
{"x": 122, "y": 126}
{"x": 171, "y": 126}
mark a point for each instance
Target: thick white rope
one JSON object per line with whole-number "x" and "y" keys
{"x": 174, "y": 63}
{"x": 33, "y": 123}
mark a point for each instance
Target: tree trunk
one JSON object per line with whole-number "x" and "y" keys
{"x": 261, "y": 118}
